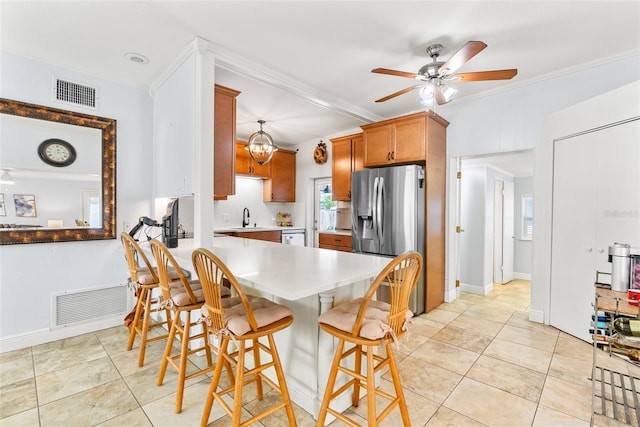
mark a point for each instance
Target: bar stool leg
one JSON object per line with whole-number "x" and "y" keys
{"x": 167, "y": 349}
{"x": 222, "y": 352}
{"x": 395, "y": 375}
{"x": 184, "y": 351}
{"x": 355, "y": 398}
{"x": 146, "y": 320}
{"x": 256, "y": 362}
{"x": 136, "y": 319}
{"x": 371, "y": 388}
{"x": 237, "y": 394}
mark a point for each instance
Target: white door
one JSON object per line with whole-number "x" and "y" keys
{"x": 324, "y": 211}
{"x": 596, "y": 200}
{"x": 508, "y": 232}
{"x": 498, "y": 187}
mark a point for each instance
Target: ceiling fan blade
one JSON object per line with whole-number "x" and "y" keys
{"x": 465, "y": 53}
{"x": 486, "y": 75}
{"x": 398, "y": 93}
{"x": 395, "y": 73}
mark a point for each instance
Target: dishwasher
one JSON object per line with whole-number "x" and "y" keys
{"x": 293, "y": 237}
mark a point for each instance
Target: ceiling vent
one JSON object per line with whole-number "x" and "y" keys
{"x": 75, "y": 93}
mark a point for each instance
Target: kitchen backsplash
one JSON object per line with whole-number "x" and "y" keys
{"x": 228, "y": 213}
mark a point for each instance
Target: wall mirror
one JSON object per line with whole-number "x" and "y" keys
{"x": 57, "y": 175}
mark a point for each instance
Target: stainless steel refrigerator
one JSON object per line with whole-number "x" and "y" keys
{"x": 388, "y": 206}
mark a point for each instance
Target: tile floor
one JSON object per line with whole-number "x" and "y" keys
{"x": 475, "y": 362}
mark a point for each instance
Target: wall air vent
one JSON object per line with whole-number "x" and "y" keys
{"x": 75, "y": 93}
{"x": 87, "y": 305}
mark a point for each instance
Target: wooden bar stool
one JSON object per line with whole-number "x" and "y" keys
{"x": 367, "y": 324}
{"x": 181, "y": 297}
{"x": 145, "y": 279}
{"x": 241, "y": 319}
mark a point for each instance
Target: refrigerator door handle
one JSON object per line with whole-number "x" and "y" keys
{"x": 380, "y": 210}
{"x": 374, "y": 203}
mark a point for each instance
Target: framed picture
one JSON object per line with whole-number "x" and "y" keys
{"x": 25, "y": 204}
{"x": 3, "y": 210}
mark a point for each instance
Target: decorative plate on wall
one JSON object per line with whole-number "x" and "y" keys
{"x": 320, "y": 153}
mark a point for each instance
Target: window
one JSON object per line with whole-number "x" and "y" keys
{"x": 526, "y": 230}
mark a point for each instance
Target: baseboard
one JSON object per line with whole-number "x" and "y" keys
{"x": 536, "y": 316}
{"x": 522, "y": 276}
{"x": 477, "y": 290}
{"x": 17, "y": 342}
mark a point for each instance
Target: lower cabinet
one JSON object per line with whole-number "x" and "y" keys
{"x": 269, "y": 236}
{"x": 337, "y": 242}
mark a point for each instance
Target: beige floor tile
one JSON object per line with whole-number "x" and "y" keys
{"x": 457, "y": 305}
{"x": 16, "y": 366}
{"x": 567, "y": 397}
{"x": 573, "y": 347}
{"x": 446, "y": 356}
{"x": 425, "y": 327}
{"x": 74, "y": 379}
{"x": 28, "y": 418}
{"x": 527, "y": 357}
{"x": 440, "y": 315}
{"x": 49, "y": 357}
{"x": 17, "y": 397}
{"x": 521, "y": 320}
{"x": 490, "y": 405}
{"x": 527, "y": 337}
{"x": 136, "y": 418}
{"x": 90, "y": 406}
{"x": 477, "y": 325}
{"x": 445, "y": 417}
{"x": 463, "y": 338}
{"x": 420, "y": 408}
{"x": 278, "y": 418}
{"x": 546, "y": 417}
{"x": 571, "y": 369}
{"x": 428, "y": 380}
{"x": 508, "y": 377}
{"x": 127, "y": 361}
{"x": 497, "y": 314}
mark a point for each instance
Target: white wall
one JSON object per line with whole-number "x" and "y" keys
{"x": 29, "y": 274}
{"x": 514, "y": 120}
{"x": 523, "y": 249}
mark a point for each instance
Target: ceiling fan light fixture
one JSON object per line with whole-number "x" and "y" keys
{"x": 448, "y": 92}
{"x": 261, "y": 146}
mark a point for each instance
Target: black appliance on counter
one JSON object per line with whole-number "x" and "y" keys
{"x": 170, "y": 225}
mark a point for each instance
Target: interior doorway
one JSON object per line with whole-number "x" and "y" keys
{"x": 324, "y": 210}
{"x": 489, "y": 247}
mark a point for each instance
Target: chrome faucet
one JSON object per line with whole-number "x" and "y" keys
{"x": 245, "y": 217}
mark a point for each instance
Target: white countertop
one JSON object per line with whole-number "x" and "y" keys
{"x": 286, "y": 271}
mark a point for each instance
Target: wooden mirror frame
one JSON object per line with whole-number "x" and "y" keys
{"x": 108, "y": 129}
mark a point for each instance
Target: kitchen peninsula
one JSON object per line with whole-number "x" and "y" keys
{"x": 309, "y": 281}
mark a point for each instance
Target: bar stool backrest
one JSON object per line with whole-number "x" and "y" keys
{"x": 133, "y": 254}
{"x": 165, "y": 261}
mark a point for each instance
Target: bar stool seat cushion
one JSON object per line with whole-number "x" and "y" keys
{"x": 146, "y": 278}
{"x": 180, "y": 297}
{"x": 374, "y": 324}
{"x": 264, "y": 311}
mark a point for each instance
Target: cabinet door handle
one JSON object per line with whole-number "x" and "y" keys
{"x": 349, "y": 194}
{"x": 393, "y": 155}
{"x": 601, "y": 251}
{"x": 388, "y": 155}
{"x": 589, "y": 249}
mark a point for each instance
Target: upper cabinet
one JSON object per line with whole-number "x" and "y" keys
{"x": 224, "y": 138}
{"x": 246, "y": 166}
{"x": 282, "y": 185}
{"x": 347, "y": 157}
{"x": 401, "y": 140}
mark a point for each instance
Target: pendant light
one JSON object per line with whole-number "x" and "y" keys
{"x": 261, "y": 147}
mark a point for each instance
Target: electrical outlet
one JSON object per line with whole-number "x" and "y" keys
{"x": 126, "y": 226}
{"x": 226, "y": 217}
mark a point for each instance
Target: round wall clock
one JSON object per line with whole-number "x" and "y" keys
{"x": 56, "y": 152}
{"x": 320, "y": 153}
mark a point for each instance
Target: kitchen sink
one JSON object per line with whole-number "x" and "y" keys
{"x": 249, "y": 228}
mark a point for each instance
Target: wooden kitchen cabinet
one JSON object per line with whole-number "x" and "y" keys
{"x": 281, "y": 187}
{"x": 269, "y": 236}
{"x": 348, "y": 156}
{"x": 246, "y": 166}
{"x": 337, "y": 242}
{"x": 224, "y": 138}
{"x": 402, "y": 140}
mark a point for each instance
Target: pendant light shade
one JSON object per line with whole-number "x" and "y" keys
{"x": 261, "y": 147}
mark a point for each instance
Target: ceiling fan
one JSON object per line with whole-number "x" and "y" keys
{"x": 435, "y": 74}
